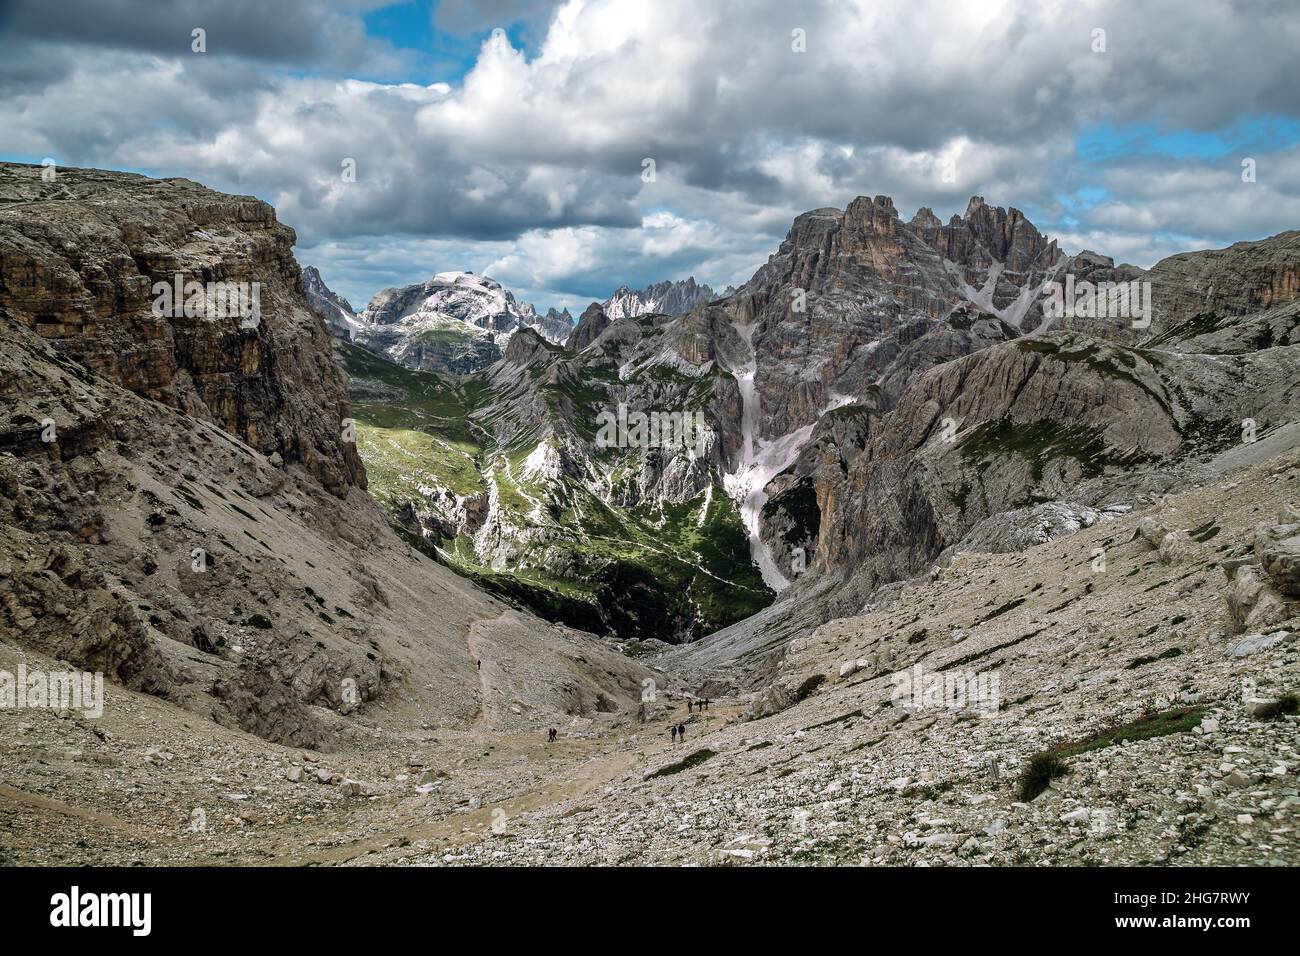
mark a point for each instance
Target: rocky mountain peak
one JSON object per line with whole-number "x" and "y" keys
{"x": 335, "y": 310}
{"x": 925, "y": 219}
{"x": 524, "y": 346}
{"x": 591, "y": 323}
{"x": 666, "y": 298}
{"x": 457, "y": 322}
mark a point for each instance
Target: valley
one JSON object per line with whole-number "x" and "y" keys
{"x": 962, "y": 583}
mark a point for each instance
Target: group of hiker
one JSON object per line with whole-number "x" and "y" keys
{"x": 692, "y": 705}
{"x": 678, "y": 729}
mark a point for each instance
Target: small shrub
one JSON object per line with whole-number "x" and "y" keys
{"x": 1041, "y": 770}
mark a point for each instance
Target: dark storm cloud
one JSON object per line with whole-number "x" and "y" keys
{"x": 283, "y": 32}
{"x": 472, "y": 16}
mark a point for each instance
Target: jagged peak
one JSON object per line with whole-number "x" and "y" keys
{"x": 925, "y": 217}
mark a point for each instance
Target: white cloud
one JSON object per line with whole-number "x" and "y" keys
{"x": 532, "y": 166}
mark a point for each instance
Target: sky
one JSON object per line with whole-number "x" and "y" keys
{"x": 566, "y": 149}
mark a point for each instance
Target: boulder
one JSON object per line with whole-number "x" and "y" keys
{"x": 1280, "y": 558}
{"x": 1252, "y": 601}
{"x": 1254, "y": 643}
{"x": 1152, "y": 530}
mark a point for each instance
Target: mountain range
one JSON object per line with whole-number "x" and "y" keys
{"x": 822, "y": 383}
{"x": 343, "y": 583}
{"x": 458, "y": 322}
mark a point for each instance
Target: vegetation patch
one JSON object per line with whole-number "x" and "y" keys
{"x": 1043, "y": 767}
{"x": 836, "y": 720}
{"x": 1041, "y": 770}
{"x": 1161, "y": 724}
{"x": 694, "y": 760}
{"x": 1042, "y": 442}
{"x": 1203, "y": 323}
{"x": 1162, "y": 656}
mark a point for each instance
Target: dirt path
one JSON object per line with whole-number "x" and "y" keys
{"x": 50, "y": 805}
{"x": 476, "y": 659}
{"x": 410, "y": 822}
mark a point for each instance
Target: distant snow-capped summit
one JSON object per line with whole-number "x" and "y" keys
{"x": 455, "y": 322}
{"x": 665, "y": 298}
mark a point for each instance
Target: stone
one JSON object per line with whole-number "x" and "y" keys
{"x": 1281, "y": 560}
{"x": 1252, "y": 602}
{"x": 941, "y": 839}
{"x": 1152, "y": 530}
{"x": 1175, "y": 547}
{"x": 1254, "y": 643}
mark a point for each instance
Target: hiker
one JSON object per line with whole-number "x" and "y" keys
{"x": 681, "y": 732}
{"x": 674, "y": 734}
{"x": 688, "y": 705}
{"x": 550, "y": 737}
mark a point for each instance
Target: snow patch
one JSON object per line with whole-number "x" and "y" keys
{"x": 759, "y": 465}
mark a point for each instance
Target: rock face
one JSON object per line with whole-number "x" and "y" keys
{"x": 182, "y": 504}
{"x": 593, "y": 322}
{"x": 80, "y": 263}
{"x": 337, "y": 312}
{"x": 456, "y": 322}
{"x": 1244, "y": 279}
{"x": 555, "y": 326}
{"x": 664, "y": 298}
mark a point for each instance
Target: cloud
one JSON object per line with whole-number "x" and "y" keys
{"x": 473, "y": 16}
{"x": 531, "y": 162}
{"x": 286, "y": 32}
